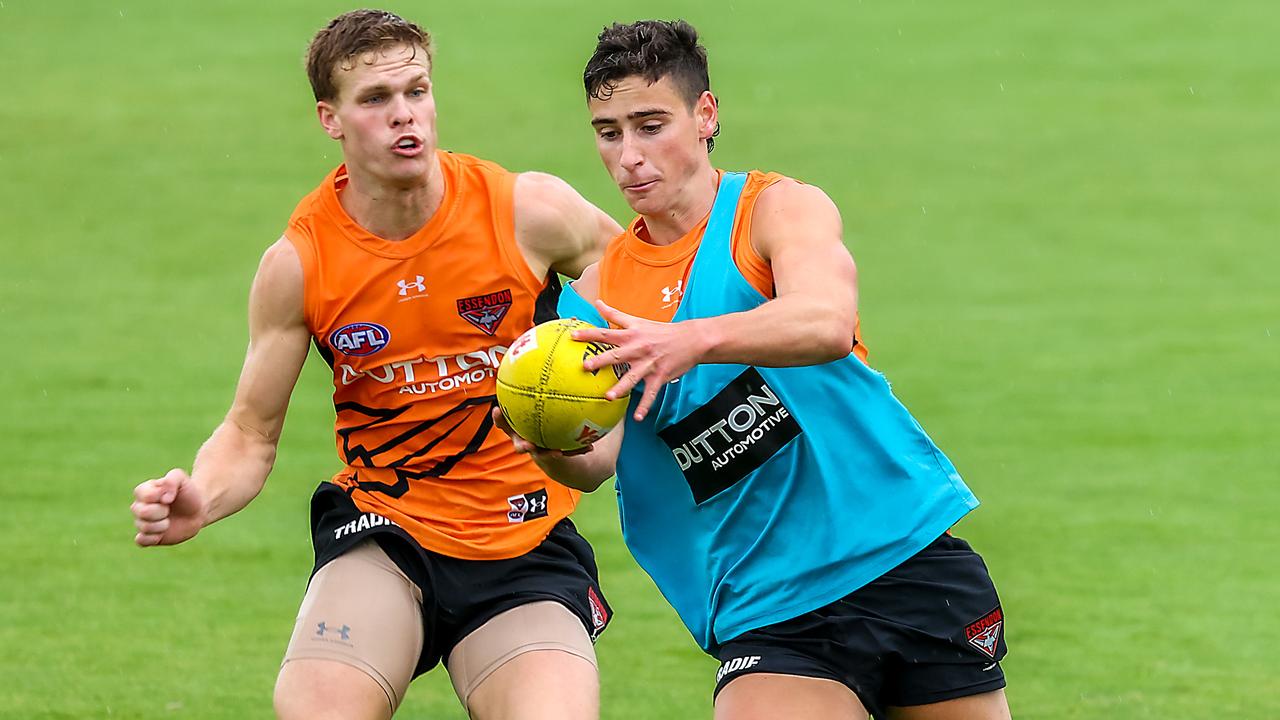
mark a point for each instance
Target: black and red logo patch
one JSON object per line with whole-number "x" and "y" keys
{"x": 486, "y": 311}
{"x": 599, "y": 612}
{"x": 984, "y": 633}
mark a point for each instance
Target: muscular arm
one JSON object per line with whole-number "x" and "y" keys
{"x": 232, "y": 465}
{"x": 556, "y": 228}
{"x": 797, "y": 229}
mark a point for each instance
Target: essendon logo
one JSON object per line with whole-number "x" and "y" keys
{"x": 599, "y": 612}
{"x": 985, "y": 633}
{"x": 486, "y": 311}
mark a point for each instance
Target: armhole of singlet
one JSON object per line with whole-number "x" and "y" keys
{"x": 302, "y": 243}
{"x": 503, "y": 202}
{"x": 753, "y": 267}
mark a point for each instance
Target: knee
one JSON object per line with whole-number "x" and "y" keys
{"x": 328, "y": 690}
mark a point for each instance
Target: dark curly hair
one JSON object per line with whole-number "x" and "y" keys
{"x": 652, "y": 49}
{"x": 353, "y": 34}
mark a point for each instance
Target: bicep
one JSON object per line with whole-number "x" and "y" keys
{"x": 557, "y": 227}
{"x": 594, "y": 229}
{"x": 278, "y": 344}
{"x": 800, "y": 235}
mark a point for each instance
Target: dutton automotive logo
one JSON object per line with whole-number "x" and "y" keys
{"x": 359, "y": 339}
{"x": 731, "y": 435}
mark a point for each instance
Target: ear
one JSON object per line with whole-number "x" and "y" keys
{"x": 707, "y": 112}
{"x": 328, "y": 116}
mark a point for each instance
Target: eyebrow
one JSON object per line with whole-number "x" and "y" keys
{"x": 383, "y": 87}
{"x": 596, "y": 122}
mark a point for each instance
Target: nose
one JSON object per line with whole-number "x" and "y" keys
{"x": 399, "y": 113}
{"x": 631, "y": 157}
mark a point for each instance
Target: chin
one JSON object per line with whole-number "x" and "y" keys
{"x": 647, "y": 206}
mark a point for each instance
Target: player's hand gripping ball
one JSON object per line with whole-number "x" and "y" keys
{"x": 548, "y": 397}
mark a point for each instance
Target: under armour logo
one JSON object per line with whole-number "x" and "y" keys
{"x": 344, "y": 632}
{"x": 416, "y": 285}
{"x": 670, "y": 294}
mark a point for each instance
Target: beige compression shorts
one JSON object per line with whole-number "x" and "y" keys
{"x": 360, "y": 609}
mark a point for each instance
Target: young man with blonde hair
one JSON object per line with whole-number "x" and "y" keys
{"x": 412, "y": 270}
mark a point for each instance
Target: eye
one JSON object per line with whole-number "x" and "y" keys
{"x": 609, "y": 134}
{"x": 373, "y": 100}
{"x": 418, "y": 92}
{"x": 651, "y": 128}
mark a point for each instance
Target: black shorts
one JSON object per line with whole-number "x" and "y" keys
{"x": 929, "y": 630}
{"x": 458, "y": 595}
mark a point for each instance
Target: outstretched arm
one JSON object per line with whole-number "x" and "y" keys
{"x": 797, "y": 230}
{"x": 232, "y": 465}
{"x": 557, "y": 228}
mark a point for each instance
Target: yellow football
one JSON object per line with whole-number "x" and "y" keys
{"x": 548, "y": 397}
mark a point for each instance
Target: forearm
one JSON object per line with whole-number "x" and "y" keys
{"x": 231, "y": 468}
{"x": 580, "y": 472}
{"x": 787, "y": 331}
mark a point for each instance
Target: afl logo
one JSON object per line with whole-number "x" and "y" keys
{"x": 359, "y": 339}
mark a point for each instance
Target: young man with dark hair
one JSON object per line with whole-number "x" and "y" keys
{"x": 412, "y": 270}
{"x": 786, "y": 504}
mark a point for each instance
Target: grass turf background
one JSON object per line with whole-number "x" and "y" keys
{"x": 1065, "y": 220}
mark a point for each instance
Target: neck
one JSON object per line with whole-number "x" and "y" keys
{"x": 392, "y": 211}
{"x": 691, "y": 204}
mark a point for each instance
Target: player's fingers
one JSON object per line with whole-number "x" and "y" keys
{"x": 148, "y": 492}
{"x": 170, "y": 483}
{"x": 616, "y": 356}
{"x": 148, "y": 539}
{"x": 158, "y": 527}
{"x": 651, "y": 387}
{"x": 626, "y": 382}
{"x": 614, "y": 315}
{"x": 149, "y": 511}
{"x": 524, "y": 447}
{"x": 500, "y": 420}
{"x": 595, "y": 334}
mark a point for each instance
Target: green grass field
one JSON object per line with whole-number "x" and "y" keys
{"x": 1065, "y": 217}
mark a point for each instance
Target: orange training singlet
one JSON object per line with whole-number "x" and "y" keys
{"x": 414, "y": 331}
{"x": 647, "y": 280}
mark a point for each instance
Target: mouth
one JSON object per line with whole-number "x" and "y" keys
{"x": 640, "y": 186}
{"x": 408, "y": 146}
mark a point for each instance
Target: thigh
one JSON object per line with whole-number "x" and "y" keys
{"x": 530, "y": 662}
{"x": 362, "y": 614}
{"x": 765, "y": 696}
{"x": 985, "y": 706}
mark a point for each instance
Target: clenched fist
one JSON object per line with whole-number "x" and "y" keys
{"x": 167, "y": 510}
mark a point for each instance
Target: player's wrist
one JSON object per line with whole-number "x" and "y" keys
{"x": 706, "y": 337}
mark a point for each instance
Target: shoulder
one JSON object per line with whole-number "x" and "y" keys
{"x": 789, "y": 208}
{"x": 544, "y": 199}
{"x": 279, "y": 277}
{"x": 558, "y": 226}
{"x": 312, "y": 204}
{"x": 786, "y": 195}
